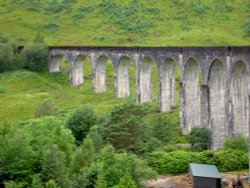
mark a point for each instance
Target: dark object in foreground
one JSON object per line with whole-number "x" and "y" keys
{"x": 238, "y": 183}
{"x": 205, "y": 176}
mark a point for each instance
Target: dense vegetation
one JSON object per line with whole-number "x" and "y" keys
{"x": 129, "y": 22}
{"x": 53, "y": 135}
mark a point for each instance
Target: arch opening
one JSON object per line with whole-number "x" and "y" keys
{"x": 191, "y": 96}
{"x": 76, "y": 71}
{"x": 103, "y": 75}
{"x": 123, "y": 77}
{"x": 169, "y": 75}
{"x": 238, "y": 100}
{"x": 55, "y": 63}
{"x": 146, "y": 80}
{"x": 217, "y": 104}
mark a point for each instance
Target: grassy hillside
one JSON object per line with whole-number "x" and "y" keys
{"x": 128, "y": 22}
{"x": 22, "y": 91}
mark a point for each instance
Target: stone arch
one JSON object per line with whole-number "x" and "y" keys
{"x": 145, "y": 80}
{"x": 238, "y": 100}
{"x": 123, "y": 77}
{"x": 100, "y": 85}
{"x": 55, "y": 61}
{"x": 191, "y": 96}
{"x": 217, "y": 103}
{"x": 76, "y": 71}
{"x": 168, "y": 86}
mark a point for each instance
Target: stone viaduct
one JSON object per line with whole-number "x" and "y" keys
{"x": 214, "y": 81}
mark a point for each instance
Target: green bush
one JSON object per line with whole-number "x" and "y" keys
{"x": 35, "y": 57}
{"x": 238, "y": 143}
{"x": 80, "y": 123}
{"x": 6, "y": 57}
{"x": 172, "y": 162}
{"x": 9, "y": 55}
{"x": 199, "y": 137}
{"x": 117, "y": 169}
{"x": 229, "y": 160}
{"x": 177, "y": 161}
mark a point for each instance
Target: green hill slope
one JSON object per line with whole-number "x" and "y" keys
{"x": 22, "y": 91}
{"x": 128, "y": 22}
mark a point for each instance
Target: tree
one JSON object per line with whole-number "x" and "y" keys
{"x": 17, "y": 157}
{"x": 48, "y": 131}
{"x": 126, "y": 181}
{"x": 161, "y": 127}
{"x": 125, "y": 129}
{"x": 199, "y": 137}
{"x": 83, "y": 156}
{"x": 101, "y": 182}
{"x": 120, "y": 169}
{"x": 36, "y": 181}
{"x": 80, "y": 123}
{"x": 54, "y": 166}
{"x": 35, "y": 57}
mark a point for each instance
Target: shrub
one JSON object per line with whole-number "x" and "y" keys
{"x": 229, "y": 160}
{"x": 118, "y": 169}
{"x": 46, "y": 108}
{"x": 80, "y": 123}
{"x": 35, "y": 57}
{"x": 177, "y": 161}
{"x": 10, "y": 57}
{"x": 238, "y": 143}
{"x": 6, "y": 57}
{"x": 172, "y": 162}
{"x": 199, "y": 137}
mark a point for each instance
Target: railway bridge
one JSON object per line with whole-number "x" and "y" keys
{"x": 214, "y": 81}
